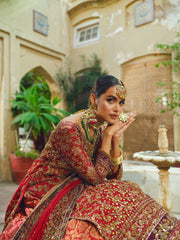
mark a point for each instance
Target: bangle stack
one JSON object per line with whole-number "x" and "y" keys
{"x": 117, "y": 161}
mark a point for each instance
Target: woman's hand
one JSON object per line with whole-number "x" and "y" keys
{"x": 116, "y": 137}
{"x": 122, "y": 126}
{"x": 119, "y": 127}
{"x": 113, "y": 132}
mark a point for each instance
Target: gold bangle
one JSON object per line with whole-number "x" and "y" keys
{"x": 117, "y": 161}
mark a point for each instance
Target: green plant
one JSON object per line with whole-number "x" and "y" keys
{"x": 36, "y": 113}
{"x": 171, "y": 48}
{"x": 170, "y": 98}
{"x": 171, "y": 95}
{"x": 34, "y": 77}
{"x": 77, "y": 86}
{"x": 33, "y": 154}
{"x": 30, "y": 78}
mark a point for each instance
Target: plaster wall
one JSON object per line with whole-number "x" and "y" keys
{"x": 23, "y": 49}
{"x": 5, "y": 132}
{"x": 120, "y": 40}
{"x": 17, "y": 17}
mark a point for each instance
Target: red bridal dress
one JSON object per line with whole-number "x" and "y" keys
{"x": 70, "y": 193}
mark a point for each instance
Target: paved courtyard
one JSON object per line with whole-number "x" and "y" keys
{"x": 7, "y": 189}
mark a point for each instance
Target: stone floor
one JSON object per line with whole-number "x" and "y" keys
{"x": 7, "y": 189}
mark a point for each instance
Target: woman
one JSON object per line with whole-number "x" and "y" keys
{"x": 74, "y": 191}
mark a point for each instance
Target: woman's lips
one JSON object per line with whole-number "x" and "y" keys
{"x": 113, "y": 116}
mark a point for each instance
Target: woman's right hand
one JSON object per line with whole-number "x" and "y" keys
{"x": 113, "y": 132}
{"x": 122, "y": 126}
{"x": 119, "y": 127}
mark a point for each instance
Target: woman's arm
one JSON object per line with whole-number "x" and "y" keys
{"x": 67, "y": 141}
{"x": 111, "y": 138}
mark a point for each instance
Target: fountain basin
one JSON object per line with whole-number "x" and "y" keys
{"x": 161, "y": 160}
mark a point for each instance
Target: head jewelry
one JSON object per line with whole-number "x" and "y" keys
{"x": 121, "y": 90}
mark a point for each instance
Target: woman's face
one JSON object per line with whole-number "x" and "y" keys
{"x": 109, "y": 106}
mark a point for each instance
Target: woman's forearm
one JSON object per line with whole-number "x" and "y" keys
{"x": 106, "y": 143}
{"x": 115, "y": 152}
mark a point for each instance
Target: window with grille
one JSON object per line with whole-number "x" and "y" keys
{"x": 86, "y": 34}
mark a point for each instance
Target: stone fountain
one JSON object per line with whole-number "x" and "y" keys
{"x": 163, "y": 159}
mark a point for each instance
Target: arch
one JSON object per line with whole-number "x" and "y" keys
{"x": 48, "y": 65}
{"x": 54, "y": 89}
{"x": 49, "y": 79}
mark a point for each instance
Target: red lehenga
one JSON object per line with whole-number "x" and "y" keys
{"x": 70, "y": 193}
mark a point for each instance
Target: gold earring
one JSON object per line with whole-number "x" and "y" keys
{"x": 93, "y": 106}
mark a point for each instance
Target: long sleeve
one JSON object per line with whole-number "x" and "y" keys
{"x": 67, "y": 140}
{"x": 117, "y": 175}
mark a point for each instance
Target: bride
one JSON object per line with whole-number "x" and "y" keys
{"x": 74, "y": 189}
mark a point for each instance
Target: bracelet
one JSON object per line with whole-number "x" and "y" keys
{"x": 117, "y": 161}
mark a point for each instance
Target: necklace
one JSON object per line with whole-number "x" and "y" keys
{"x": 89, "y": 120}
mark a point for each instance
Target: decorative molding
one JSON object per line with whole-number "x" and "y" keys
{"x": 40, "y": 23}
{"x": 144, "y": 12}
{"x": 30, "y": 44}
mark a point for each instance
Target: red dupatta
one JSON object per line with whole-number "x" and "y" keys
{"x": 38, "y": 229}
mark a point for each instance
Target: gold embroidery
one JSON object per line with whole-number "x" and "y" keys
{"x": 120, "y": 210}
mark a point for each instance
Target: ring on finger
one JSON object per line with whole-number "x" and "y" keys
{"x": 123, "y": 117}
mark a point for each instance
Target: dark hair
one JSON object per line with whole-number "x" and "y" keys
{"x": 103, "y": 83}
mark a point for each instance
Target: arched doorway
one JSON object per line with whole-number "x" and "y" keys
{"x": 141, "y": 77}
{"x": 34, "y": 99}
{"x": 48, "y": 78}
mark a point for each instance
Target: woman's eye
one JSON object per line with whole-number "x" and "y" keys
{"x": 121, "y": 102}
{"x": 110, "y": 100}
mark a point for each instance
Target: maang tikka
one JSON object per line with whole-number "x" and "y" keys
{"x": 121, "y": 90}
{"x": 122, "y": 93}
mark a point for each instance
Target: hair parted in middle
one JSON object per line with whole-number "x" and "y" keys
{"x": 103, "y": 83}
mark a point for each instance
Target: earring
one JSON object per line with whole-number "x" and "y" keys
{"x": 93, "y": 107}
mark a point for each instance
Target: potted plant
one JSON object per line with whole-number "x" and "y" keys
{"x": 21, "y": 161}
{"x": 38, "y": 116}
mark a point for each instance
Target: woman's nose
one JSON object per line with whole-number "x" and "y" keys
{"x": 117, "y": 108}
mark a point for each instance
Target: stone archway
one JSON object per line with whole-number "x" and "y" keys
{"x": 141, "y": 76}
{"x": 49, "y": 79}
{"x": 49, "y": 91}
{"x": 51, "y": 83}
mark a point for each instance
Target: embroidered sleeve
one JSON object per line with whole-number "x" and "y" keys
{"x": 117, "y": 175}
{"x": 67, "y": 142}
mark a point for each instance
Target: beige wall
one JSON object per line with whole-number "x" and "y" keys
{"x": 23, "y": 49}
{"x": 120, "y": 41}
{"x": 5, "y": 133}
